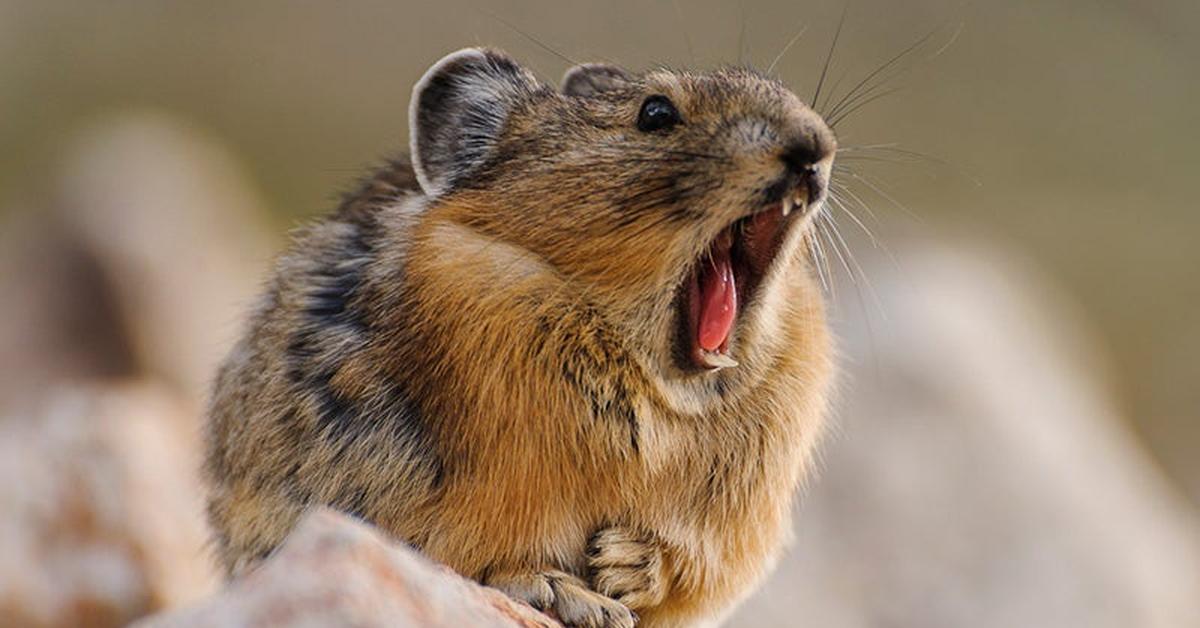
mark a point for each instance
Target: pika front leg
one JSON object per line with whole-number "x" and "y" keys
{"x": 565, "y": 597}
{"x": 627, "y": 566}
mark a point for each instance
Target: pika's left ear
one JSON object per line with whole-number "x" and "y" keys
{"x": 589, "y": 79}
{"x": 458, "y": 111}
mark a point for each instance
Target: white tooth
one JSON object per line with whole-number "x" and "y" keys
{"x": 714, "y": 360}
{"x": 787, "y": 206}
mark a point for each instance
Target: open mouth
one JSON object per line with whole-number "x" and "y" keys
{"x": 725, "y": 278}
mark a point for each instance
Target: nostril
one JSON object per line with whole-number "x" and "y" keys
{"x": 801, "y": 157}
{"x": 813, "y": 184}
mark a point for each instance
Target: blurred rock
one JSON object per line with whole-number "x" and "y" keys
{"x": 121, "y": 300}
{"x": 173, "y": 223}
{"x": 336, "y": 571}
{"x": 153, "y": 249}
{"x": 102, "y": 513}
{"x": 978, "y": 474}
{"x": 61, "y": 321}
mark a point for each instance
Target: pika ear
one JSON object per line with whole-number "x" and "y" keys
{"x": 458, "y": 111}
{"x": 589, "y": 79}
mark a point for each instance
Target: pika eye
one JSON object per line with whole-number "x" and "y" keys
{"x": 657, "y": 113}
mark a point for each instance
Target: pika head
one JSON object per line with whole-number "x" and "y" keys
{"x": 678, "y": 201}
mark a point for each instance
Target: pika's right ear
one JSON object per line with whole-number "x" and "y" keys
{"x": 589, "y": 79}
{"x": 458, "y": 111}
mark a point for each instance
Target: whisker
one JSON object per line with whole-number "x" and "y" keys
{"x": 919, "y": 157}
{"x": 842, "y": 116}
{"x": 832, "y": 90}
{"x": 862, "y": 275}
{"x": 539, "y": 43}
{"x": 866, "y": 86}
{"x": 840, "y": 204}
{"x": 953, "y": 38}
{"x": 791, "y": 42}
{"x": 866, "y": 314}
{"x": 829, "y": 57}
{"x": 889, "y": 63}
{"x": 838, "y": 251}
{"x": 854, "y": 148}
{"x": 823, "y": 228}
{"x": 876, "y": 159}
{"x": 812, "y": 253}
{"x": 823, "y": 262}
{"x": 888, "y": 197}
{"x": 878, "y": 242}
{"x": 842, "y": 187}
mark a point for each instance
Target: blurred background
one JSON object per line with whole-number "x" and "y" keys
{"x": 1017, "y": 440}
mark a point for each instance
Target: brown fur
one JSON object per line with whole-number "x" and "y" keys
{"x": 491, "y": 372}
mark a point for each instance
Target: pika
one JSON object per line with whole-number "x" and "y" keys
{"x": 571, "y": 347}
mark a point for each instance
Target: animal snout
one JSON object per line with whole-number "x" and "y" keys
{"x": 803, "y": 158}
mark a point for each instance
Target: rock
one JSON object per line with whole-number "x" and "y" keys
{"x": 978, "y": 474}
{"x": 140, "y": 261}
{"x": 102, "y": 511}
{"x": 334, "y": 570}
{"x": 126, "y": 288}
{"x": 61, "y": 322}
{"x": 172, "y": 222}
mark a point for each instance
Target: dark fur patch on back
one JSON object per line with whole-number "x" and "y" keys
{"x": 337, "y": 415}
{"x": 332, "y": 326}
{"x": 385, "y": 186}
{"x": 337, "y": 283}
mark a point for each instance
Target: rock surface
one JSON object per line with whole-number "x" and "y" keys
{"x": 101, "y": 510}
{"x": 124, "y": 287}
{"x": 335, "y": 571}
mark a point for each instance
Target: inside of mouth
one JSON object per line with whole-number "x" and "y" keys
{"x": 722, "y": 281}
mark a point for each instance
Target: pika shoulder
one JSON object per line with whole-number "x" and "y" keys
{"x": 574, "y": 350}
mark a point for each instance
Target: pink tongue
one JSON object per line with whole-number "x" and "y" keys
{"x": 718, "y": 296}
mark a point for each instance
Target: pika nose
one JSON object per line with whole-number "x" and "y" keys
{"x": 801, "y": 158}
